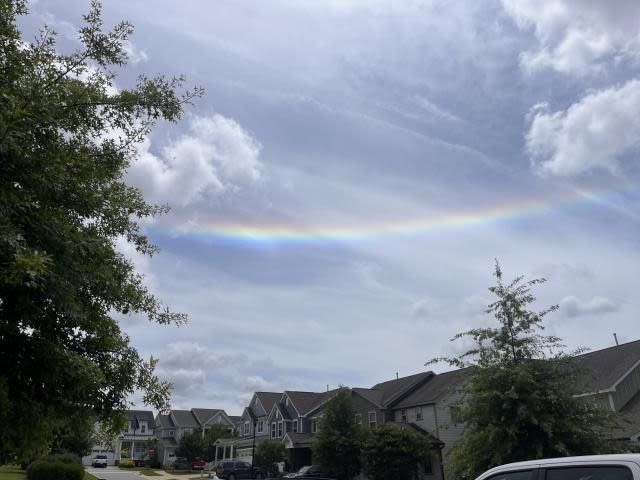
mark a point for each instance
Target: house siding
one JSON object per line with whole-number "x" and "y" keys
{"x": 626, "y": 389}
{"x": 363, "y": 407}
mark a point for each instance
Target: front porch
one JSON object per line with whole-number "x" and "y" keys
{"x": 299, "y": 447}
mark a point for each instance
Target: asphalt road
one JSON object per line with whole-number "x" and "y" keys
{"x": 113, "y": 473}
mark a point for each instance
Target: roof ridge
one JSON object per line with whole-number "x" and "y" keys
{"x": 591, "y": 352}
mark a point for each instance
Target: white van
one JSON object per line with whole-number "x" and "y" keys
{"x": 595, "y": 467}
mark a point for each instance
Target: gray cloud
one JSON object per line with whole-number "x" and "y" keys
{"x": 572, "y": 306}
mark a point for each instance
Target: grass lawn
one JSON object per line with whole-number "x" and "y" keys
{"x": 11, "y": 472}
{"x": 88, "y": 476}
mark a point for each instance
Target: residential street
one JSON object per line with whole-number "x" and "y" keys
{"x": 113, "y": 473}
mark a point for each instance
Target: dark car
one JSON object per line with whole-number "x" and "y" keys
{"x": 238, "y": 471}
{"x": 181, "y": 463}
{"x": 309, "y": 471}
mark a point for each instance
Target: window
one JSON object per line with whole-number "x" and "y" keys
{"x": 143, "y": 428}
{"x": 591, "y": 472}
{"x": 172, "y": 432}
{"x": 314, "y": 425}
{"x": 456, "y": 414}
{"x": 419, "y": 414}
{"x": 260, "y": 426}
{"x": 246, "y": 428}
{"x": 273, "y": 430}
{"x": 279, "y": 429}
{"x": 358, "y": 419}
{"x": 295, "y": 426}
{"x": 373, "y": 420}
{"x": 286, "y": 401}
{"x": 403, "y": 415}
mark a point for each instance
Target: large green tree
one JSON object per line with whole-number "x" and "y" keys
{"x": 211, "y": 436}
{"x": 391, "y": 452}
{"x": 191, "y": 445}
{"x": 336, "y": 446}
{"x": 518, "y": 398}
{"x": 67, "y": 136}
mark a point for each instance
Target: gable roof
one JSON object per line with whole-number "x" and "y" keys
{"x": 164, "y": 421}
{"x": 304, "y": 401}
{"x": 431, "y": 390}
{"x": 394, "y": 389}
{"x": 203, "y": 415}
{"x": 603, "y": 368}
{"x": 184, "y": 418}
{"x": 371, "y": 395}
{"x": 141, "y": 415}
{"x": 268, "y": 400}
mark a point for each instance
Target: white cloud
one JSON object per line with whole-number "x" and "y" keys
{"x": 434, "y": 110}
{"x": 577, "y": 36}
{"x": 216, "y": 155}
{"x": 134, "y": 54}
{"x": 425, "y": 308}
{"x": 591, "y": 134}
{"x": 572, "y": 306}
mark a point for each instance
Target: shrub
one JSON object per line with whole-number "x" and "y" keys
{"x": 64, "y": 458}
{"x": 45, "y": 470}
{"x": 127, "y": 464}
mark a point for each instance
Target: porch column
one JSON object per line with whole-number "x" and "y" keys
{"x": 133, "y": 449}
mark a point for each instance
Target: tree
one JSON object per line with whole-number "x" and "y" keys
{"x": 211, "y": 436}
{"x": 518, "y": 398}
{"x": 391, "y": 452}
{"x": 74, "y": 435}
{"x": 268, "y": 454}
{"x": 66, "y": 140}
{"x": 191, "y": 445}
{"x": 336, "y": 446}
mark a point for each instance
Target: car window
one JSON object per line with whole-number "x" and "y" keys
{"x": 516, "y": 475}
{"x": 589, "y": 473}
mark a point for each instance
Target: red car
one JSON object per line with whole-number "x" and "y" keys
{"x": 198, "y": 464}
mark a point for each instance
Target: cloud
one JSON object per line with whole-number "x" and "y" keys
{"x": 576, "y": 36}
{"x": 424, "y": 308}
{"x": 434, "y": 110}
{"x": 592, "y": 134}
{"x": 573, "y": 307}
{"x": 216, "y": 155}
{"x": 134, "y": 54}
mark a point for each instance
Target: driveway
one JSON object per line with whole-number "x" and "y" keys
{"x": 112, "y": 473}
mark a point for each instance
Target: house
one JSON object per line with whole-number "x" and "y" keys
{"x": 173, "y": 425}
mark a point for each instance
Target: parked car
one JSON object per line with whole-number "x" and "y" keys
{"x": 181, "y": 463}
{"x": 594, "y": 467}
{"x": 198, "y": 464}
{"x": 238, "y": 471}
{"x": 99, "y": 461}
{"x": 308, "y": 471}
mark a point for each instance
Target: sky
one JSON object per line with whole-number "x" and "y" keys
{"x": 341, "y": 192}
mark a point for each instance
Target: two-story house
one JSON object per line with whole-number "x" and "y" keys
{"x": 173, "y": 425}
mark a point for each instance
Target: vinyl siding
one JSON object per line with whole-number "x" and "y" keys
{"x": 627, "y": 389}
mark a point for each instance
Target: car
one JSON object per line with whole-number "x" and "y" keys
{"x": 592, "y": 467}
{"x": 99, "y": 461}
{"x": 308, "y": 471}
{"x": 198, "y": 464}
{"x": 238, "y": 471}
{"x": 181, "y": 463}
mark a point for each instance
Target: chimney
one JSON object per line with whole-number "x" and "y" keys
{"x": 615, "y": 337}
{"x": 396, "y": 375}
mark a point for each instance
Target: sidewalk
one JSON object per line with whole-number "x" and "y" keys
{"x": 173, "y": 476}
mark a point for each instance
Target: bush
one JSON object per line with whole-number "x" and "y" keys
{"x": 127, "y": 464}
{"x": 45, "y": 470}
{"x": 64, "y": 458}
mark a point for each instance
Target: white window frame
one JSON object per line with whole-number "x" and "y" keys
{"x": 246, "y": 428}
{"x": 358, "y": 419}
{"x": 403, "y": 415}
{"x": 260, "y": 426}
{"x": 280, "y": 429}
{"x": 143, "y": 428}
{"x": 314, "y": 425}
{"x": 373, "y": 423}
{"x": 419, "y": 415}
{"x": 295, "y": 426}
{"x": 274, "y": 429}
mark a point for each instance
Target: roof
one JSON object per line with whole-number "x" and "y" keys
{"x": 373, "y": 396}
{"x": 430, "y": 391}
{"x": 603, "y": 368}
{"x": 141, "y": 415}
{"x": 432, "y": 439}
{"x": 268, "y": 399}
{"x": 204, "y": 414}
{"x": 304, "y": 401}
{"x": 300, "y": 439}
{"x": 322, "y": 398}
{"x": 394, "y": 389}
{"x": 184, "y": 418}
{"x": 164, "y": 421}
{"x": 235, "y": 418}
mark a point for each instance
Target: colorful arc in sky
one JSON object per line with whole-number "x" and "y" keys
{"x": 407, "y": 226}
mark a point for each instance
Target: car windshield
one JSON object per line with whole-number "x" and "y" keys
{"x": 101, "y": 456}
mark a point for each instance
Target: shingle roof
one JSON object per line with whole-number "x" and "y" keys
{"x": 300, "y": 439}
{"x": 430, "y": 391}
{"x": 603, "y": 368}
{"x": 304, "y": 401}
{"x": 433, "y": 440}
{"x": 164, "y": 421}
{"x": 235, "y": 419}
{"x": 268, "y": 399}
{"x": 144, "y": 415}
{"x": 370, "y": 394}
{"x": 204, "y": 414}
{"x": 184, "y": 418}
{"x": 394, "y": 389}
